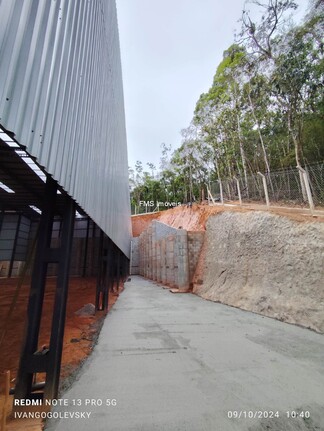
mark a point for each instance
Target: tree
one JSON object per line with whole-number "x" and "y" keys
{"x": 164, "y": 160}
{"x": 152, "y": 167}
{"x": 298, "y": 79}
{"x": 264, "y": 109}
{"x": 224, "y": 106}
{"x": 263, "y": 38}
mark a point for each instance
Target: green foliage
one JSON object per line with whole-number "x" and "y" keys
{"x": 263, "y": 111}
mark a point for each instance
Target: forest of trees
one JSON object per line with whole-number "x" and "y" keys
{"x": 263, "y": 112}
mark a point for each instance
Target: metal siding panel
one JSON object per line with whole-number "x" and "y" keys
{"x": 31, "y": 70}
{"x": 7, "y": 235}
{"x": 5, "y": 255}
{"x": 61, "y": 135}
{"x": 60, "y": 64}
{"x": 8, "y": 53}
{"x": 64, "y": 82}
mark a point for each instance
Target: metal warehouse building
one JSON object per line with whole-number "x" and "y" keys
{"x": 63, "y": 152}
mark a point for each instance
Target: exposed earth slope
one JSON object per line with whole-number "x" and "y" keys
{"x": 268, "y": 262}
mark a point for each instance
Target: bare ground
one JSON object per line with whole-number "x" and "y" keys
{"x": 80, "y": 334}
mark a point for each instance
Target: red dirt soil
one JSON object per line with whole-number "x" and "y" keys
{"x": 141, "y": 222}
{"x": 80, "y": 332}
{"x": 194, "y": 218}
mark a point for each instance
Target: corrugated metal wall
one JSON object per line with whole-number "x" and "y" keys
{"x": 14, "y": 234}
{"x": 61, "y": 94}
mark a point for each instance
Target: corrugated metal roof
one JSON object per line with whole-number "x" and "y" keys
{"x": 61, "y": 95}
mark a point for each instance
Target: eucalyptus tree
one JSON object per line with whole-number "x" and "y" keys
{"x": 186, "y": 152}
{"x": 139, "y": 170}
{"x": 166, "y": 155}
{"x": 298, "y": 80}
{"x": 257, "y": 92}
{"x": 152, "y": 167}
{"x": 131, "y": 177}
{"x": 263, "y": 37}
{"x": 266, "y": 98}
{"x": 224, "y": 106}
{"x": 291, "y": 58}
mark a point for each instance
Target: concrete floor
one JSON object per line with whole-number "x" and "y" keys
{"x": 178, "y": 362}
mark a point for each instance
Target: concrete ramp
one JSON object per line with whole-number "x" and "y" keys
{"x": 179, "y": 362}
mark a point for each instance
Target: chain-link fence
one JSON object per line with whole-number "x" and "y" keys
{"x": 144, "y": 208}
{"x": 316, "y": 179}
{"x": 287, "y": 186}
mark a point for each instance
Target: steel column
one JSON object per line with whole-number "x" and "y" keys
{"x": 106, "y": 259}
{"x": 32, "y": 360}
{"x": 103, "y": 276}
{"x": 112, "y": 267}
{"x": 29, "y": 362}
{"x": 84, "y": 270}
{"x": 118, "y": 269}
{"x": 59, "y": 312}
{"x": 100, "y": 272}
{"x": 125, "y": 267}
{"x": 106, "y": 273}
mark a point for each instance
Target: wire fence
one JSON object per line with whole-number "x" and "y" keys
{"x": 290, "y": 187}
{"x": 144, "y": 208}
{"x": 286, "y": 186}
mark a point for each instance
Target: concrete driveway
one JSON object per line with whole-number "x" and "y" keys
{"x": 177, "y": 362}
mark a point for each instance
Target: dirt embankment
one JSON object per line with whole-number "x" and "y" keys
{"x": 189, "y": 218}
{"x": 194, "y": 218}
{"x": 268, "y": 262}
{"x": 265, "y": 263}
{"x": 141, "y": 222}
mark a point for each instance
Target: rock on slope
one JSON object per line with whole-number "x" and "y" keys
{"x": 265, "y": 263}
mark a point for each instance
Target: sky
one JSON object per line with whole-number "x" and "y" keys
{"x": 170, "y": 50}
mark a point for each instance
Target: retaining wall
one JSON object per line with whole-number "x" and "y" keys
{"x": 166, "y": 254}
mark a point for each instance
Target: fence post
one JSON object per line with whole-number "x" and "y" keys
{"x": 210, "y": 196}
{"x": 130, "y": 258}
{"x": 308, "y": 189}
{"x": 265, "y": 188}
{"x": 221, "y": 192}
{"x": 238, "y": 190}
{"x": 303, "y": 187}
